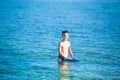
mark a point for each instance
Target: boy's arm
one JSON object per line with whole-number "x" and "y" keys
{"x": 59, "y": 50}
{"x": 70, "y": 51}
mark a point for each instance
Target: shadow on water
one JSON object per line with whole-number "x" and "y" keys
{"x": 64, "y": 70}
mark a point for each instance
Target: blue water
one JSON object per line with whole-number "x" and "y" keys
{"x": 31, "y": 29}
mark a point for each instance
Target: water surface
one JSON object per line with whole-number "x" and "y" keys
{"x": 30, "y": 32}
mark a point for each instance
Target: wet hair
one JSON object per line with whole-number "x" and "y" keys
{"x": 65, "y": 31}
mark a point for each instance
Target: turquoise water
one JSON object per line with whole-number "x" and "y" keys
{"x": 30, "y": 32}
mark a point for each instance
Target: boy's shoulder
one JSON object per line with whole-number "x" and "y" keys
{"x": 61, "y": 42}
{"x": 69, "y": 43}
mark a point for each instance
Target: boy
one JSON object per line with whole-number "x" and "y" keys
{"x": 65, "y": 47}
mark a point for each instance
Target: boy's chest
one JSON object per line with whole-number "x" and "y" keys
{"x": 65, "y": 45}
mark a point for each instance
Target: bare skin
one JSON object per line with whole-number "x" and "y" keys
{"x": 65, "y": 47}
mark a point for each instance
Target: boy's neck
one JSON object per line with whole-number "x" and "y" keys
{"x": 64, "y": 40}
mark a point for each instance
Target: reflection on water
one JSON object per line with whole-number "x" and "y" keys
{"x": 64, "y": 70}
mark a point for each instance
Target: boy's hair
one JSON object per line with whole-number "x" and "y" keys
{"x": 65, "y": 31}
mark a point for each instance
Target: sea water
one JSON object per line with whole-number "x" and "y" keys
{"x": 30, "y": 31}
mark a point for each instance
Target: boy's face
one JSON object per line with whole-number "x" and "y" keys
{"x": 65, "y": 35}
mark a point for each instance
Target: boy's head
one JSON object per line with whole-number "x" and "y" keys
{"x": 65, "y": 34}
